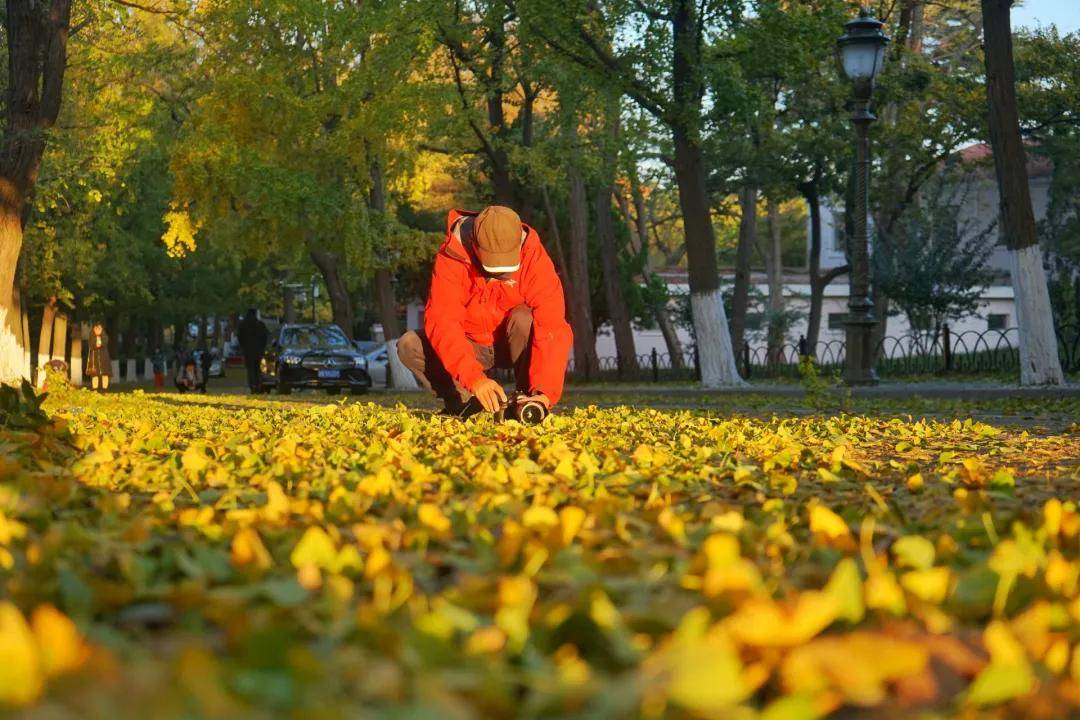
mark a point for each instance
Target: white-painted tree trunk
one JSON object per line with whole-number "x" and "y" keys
{"x": 401, "y": 378}
{"x": 14, "y": 356}
{"x": 130, "y": 372}
{"x": 45, "y": 336}
{"x": 60, "y": 336}
{"x": 114, "y": 371}
{"x": 715, "y": 355}
{"x": 1039, "y": 363}
{"x": 25, "y": 334}
{"x": 76, "y": 355}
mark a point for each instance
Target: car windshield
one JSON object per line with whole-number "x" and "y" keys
{"x": 314, "y": 336}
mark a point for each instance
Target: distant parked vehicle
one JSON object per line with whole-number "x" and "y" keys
{"x": 314, "y": 356}
{"x": 377, "y": 361}
{"x": 366, "y": 346}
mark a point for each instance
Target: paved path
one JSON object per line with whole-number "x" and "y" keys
{"x": 939, "y": 390}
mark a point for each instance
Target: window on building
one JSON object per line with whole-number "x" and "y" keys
{"x": 837, "y": 320}
{"x": 997, "y": 321}
{"x": 838, "y": 233}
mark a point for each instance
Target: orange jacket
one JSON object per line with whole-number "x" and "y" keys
{"x": 465, "y": 305}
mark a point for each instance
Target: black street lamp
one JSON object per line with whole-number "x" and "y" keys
{"x": 862, "y": 53}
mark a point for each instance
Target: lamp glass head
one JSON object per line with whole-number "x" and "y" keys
{"x": 862, "y": 47}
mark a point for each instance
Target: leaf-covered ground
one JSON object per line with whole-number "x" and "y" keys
{"x": 232, "y": 557}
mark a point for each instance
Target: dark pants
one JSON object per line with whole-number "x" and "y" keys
{"x": 254, "y": 375}
{"x": 513, "y": 341}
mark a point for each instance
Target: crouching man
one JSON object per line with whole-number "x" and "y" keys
{"x": 495, "y": 302}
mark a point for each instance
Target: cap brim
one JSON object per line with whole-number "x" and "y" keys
{"x": 501, "y": 268}
{"x": 499, "y": 262}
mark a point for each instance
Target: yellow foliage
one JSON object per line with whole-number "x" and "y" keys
{"x": 180, "y": 231}
{"x": 417, "y": 555}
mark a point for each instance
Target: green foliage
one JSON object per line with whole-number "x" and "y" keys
{"x": 933, "y": 266}
{"x": 21, "y": 407}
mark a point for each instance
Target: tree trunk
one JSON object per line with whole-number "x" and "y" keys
{"x": 613, "y": 290}
{"x": 288, "y": 305}
{"x": 60, "y": 336}
{"x": 45, "y": 340}
{"x": 1039, "y": 363}
{"x": 743, "y": 253}
{"x": 13, "y": 359}
{"x": 24, "y": 333}
{"x": 716, "y": 358}
{"x": 585, "y": 360}
{"x": 809, "y": 191}
{"x": 818, "y": 281}
{"x": 576, "y": 313}
{"x": 384, "y": 276}
{"x": 640, "y": 227}
{"x": 502, "y": 183}
{"x": 774, "y": 269}
{"x": 388, "y": 315}
{"x": 340, "y": 302}
{"x": 76, "y": 362}
{"x": 37, "y": 57}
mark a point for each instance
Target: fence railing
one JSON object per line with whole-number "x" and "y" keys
{"x": 940, "y": 352}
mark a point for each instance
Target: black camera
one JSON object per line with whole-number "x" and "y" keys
{"x": 521, "y": 408}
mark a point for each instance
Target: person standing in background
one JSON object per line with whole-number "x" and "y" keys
{"x": 99, "y": 364}
{"x": 205, "y": 361}
{"x": 157, "y": 362}
{"x": 252, "y": 334}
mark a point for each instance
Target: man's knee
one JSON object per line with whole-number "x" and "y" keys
{"x": 410, "y": 349}
{"x": 520, "y": 320}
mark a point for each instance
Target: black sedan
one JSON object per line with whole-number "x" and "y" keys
{"x": 314, "y": 356}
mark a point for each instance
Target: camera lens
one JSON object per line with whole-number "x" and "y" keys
{"x": 532, "y": 413}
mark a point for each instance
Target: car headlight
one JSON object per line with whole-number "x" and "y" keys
{"x": 290, "y": 359}
{"x": 360, "y": 362}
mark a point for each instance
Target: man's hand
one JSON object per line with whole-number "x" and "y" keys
{"x": 540, "y": 397}
{"x": 490, "y": 394}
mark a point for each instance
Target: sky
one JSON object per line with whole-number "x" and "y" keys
{"x": 1063, "y": 13}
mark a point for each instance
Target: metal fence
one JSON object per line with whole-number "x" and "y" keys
{"x": 942, "y": 352}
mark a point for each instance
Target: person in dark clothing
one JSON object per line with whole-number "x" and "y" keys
{"x": 253, "y": 335}
{"x": 205, "y": 361}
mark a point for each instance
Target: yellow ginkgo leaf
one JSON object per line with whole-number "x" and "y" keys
{"x": 248, "y": 549}
{"x": 21, "y": 674}
{"x": 432, "y": 516}
{"x": 315, "y": 548}
{"x": 765, "y": 623}
{"x": 829, "y": 528}
{"x": 60, "y": 646}
{"x": 571, "y": 518}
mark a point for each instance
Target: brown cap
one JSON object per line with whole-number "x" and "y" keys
{"x": 497, "y": 236}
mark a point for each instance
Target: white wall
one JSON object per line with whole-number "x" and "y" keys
{"x": 996, "y": 300}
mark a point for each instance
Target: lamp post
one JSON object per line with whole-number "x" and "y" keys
{"x": 862, "y": 53}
